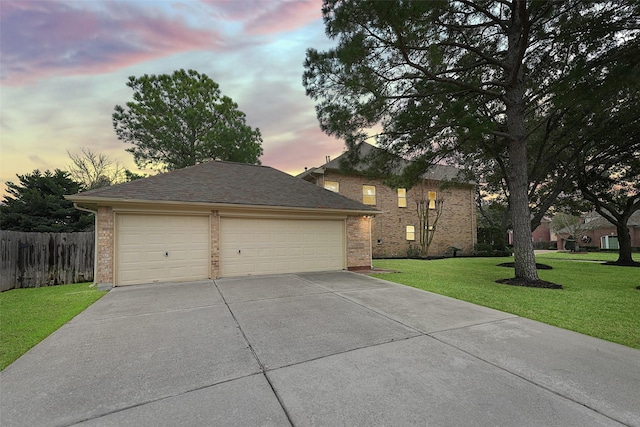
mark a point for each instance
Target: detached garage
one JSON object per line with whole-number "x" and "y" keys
{"x": 222, "y": 219}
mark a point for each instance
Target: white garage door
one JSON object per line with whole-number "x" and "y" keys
{"x": 269, "y": 246}
{"x": 161, "y": 248}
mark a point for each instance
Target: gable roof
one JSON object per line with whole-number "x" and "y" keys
{"x": 224, "y": 183}
{"x": 595, "y": 220}
{"x": 436, "y": 172}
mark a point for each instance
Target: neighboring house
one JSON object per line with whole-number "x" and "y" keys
{"x": 221, "y": 219}
{"x": 601, "y": 233}
{"x": 542, "y": 233}
{"x": 541, "y": 237}
{"x": 396, "y": 228}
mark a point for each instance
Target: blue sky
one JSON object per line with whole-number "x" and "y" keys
{"x": 64, "y": 65}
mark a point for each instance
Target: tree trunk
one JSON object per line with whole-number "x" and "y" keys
{"x": 517, "y": 176}
{"x": 524, "y": 257}
{"x": 624, "y": 240}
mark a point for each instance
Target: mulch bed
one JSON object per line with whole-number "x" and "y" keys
{"x": 538, "y": 266}
{"x": 635, "y": 264}
{"x": 529, "y": 283}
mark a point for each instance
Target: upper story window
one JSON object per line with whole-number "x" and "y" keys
{"x": 369, "y": 194}
{"x": 332, "y": 186}
{"x": 402, "y": 197}
{"x": 432, "y": 199}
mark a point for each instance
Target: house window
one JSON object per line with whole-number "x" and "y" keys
{"x": 432, "y": 199}
{"x": 402, "y": 197}
{"x": 332, "y": 186}
{"x": 369, "y": 194}
{"x": 411, "y": 232}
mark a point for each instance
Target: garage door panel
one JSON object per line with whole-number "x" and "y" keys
{"x": 280, "y": 252}
{"x": 155, "y": 248}
{"x": 269, "y": 246}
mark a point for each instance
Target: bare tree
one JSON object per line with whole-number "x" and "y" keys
{"x": 429, "y": 209}
{"x": 95, "y": 170}
{"x": 572, "y": 225}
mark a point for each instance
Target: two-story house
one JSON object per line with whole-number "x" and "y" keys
{"x": 395, "y": 232}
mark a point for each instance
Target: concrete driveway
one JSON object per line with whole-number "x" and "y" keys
{"x": 324, "y": 349}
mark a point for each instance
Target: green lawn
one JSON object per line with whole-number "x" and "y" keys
{"x": 597, "y": 300}
{"x": 585, "y": 256}
{"x": 27, "y": 316}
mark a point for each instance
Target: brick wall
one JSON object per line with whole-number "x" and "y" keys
{"x": 542, "y": 233}
{"x": 358, "y": 242}
{"x": 105, "y": 230}
{"x": 456, "y": 227}
{"x": 597, "y": 234}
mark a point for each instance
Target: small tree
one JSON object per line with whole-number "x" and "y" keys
{"x": 573, "y": 225}
{"x": 429, "y": 210}
{"x": 181, "y": 120}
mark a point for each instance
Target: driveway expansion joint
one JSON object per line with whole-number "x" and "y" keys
{"x": 158, "y": 399}
{"x": 524, "y": 378}
{"x": 255, "y": 355}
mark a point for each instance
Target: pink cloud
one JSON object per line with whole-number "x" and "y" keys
{"x": 45, "y": 38}
{"x": 261, "y": 17}
{"x": 285, "y": 16}
{"x": 307, "y": 149}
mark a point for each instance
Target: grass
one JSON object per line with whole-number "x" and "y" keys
{"x": 597, "y": 300}
{"x": 586, "y": 256}
{"x": 27, "y": 316}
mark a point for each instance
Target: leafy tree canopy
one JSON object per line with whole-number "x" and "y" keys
{"x": 181, "y": 120}
{"x": 37, "y": 204}
{"x": 601, "y": 118}
{"x": 445, "y": 78}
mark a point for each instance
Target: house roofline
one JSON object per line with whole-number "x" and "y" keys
{"x": 93, "y": 203}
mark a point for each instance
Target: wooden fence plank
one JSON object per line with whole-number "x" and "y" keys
{"x": 31, "y": 260}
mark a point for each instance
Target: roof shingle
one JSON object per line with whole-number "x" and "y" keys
{"x": 365, "y": 151}
{"x": 225, "y": 183}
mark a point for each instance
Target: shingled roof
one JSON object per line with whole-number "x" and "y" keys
{"x": 224, "y": 183}
{"x": 365, "y": 151}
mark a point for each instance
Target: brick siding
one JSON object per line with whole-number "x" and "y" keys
{"x": 597, "y": 234}
{"x": 358, "y": 242}
{"x": 456, "y": 227}
{"x": 105, "y": 230}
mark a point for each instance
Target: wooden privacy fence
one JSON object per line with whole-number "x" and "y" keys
{"x": 31, "y": 260}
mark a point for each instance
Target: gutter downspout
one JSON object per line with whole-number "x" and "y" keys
{"x": 95, "y": 238}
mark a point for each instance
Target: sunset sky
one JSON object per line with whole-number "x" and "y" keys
{"x": 64, "y": 65}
